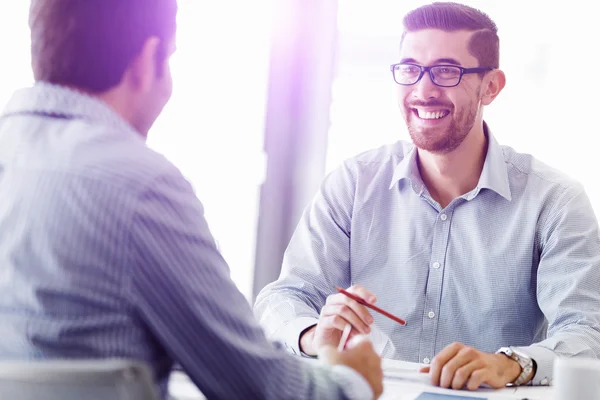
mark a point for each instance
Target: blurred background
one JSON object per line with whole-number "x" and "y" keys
{"x": 270, "y": 95}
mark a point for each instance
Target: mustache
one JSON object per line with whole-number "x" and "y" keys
{"x": 432, "y": 103}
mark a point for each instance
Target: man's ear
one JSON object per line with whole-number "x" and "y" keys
{"x": 494, "y": 82}
{"x": 142, "y": 72}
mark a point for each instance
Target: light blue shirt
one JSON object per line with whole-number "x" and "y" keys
{"x": 514, "y": 262}
{"x": 105, "y": 252}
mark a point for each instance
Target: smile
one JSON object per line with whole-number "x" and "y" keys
{"x": 436, "y": 114}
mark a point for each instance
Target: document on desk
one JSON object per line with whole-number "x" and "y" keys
{"x": 405, "y": 390}
{"x": 441, "y": 396}
{"x": 404, "y": 370}
{"x": 474, "y": 396}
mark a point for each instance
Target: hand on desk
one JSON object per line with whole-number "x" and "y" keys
{"x": 338, "y": 311}
{"x": 360, "y": 356}
{"x": 459, "y": 366}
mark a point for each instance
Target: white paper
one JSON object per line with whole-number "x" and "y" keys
{"x": 404, "y": 370}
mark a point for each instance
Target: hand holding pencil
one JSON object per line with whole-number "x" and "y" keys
{"x": 348, "y": 327}
{"x": 348, "y": 307}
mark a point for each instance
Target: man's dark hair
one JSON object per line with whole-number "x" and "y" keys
{"x": 89, "y": 44}
{"x": 450, "y": 17}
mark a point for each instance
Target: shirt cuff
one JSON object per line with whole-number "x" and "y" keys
{"x": 544, "y": 359}
{"x": 354, "y": 386}
{"x": 290, "y": 333}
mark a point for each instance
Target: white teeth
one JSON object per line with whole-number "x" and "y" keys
{"x": 431, "y": 115}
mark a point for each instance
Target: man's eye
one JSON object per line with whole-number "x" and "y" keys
{"x": 408, "y": 69}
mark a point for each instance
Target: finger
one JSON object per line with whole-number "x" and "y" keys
{"x": 361, "y": 311}
{"x": 424, "y": 370}
{"x": 440, "y": 360}
{"x": 348, "y": 314}
{"x": 333, "y": 322}
{"x": 362, "y": 293}
{"x": 344, "y": 338}
{"x": 477, "y": 378}
{"x": 462, "y": 374}
{"x": 464, "y": 356}
{"x": 353, "y": 333}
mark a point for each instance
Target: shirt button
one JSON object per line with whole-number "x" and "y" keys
{"x": 431, "y": 314}
{"x": 544, "y": 381}
{"x": 426, "y": 360}
{"x": 436, "y": 265}
{"x": 443, "y": 217}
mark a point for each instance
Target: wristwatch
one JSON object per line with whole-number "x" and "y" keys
{"x": 526, "y": 363}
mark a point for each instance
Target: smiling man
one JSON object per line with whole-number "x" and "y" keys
{"x": 491, "y": 256}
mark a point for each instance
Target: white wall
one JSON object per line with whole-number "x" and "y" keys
{"x": 213, "y": 127}
{"x": 14, "y": 48}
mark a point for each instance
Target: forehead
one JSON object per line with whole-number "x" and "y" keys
{"x": 427, "y": 46}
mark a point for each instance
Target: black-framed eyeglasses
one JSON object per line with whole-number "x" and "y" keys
{"x": 441, "y": 75}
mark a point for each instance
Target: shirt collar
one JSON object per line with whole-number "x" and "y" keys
{"x": 408, "y": 169}
{"x": 494, "y": 175}
{"x": 46, "y": 98}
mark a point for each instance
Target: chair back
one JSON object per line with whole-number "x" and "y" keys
{"x": 76, "y": 379}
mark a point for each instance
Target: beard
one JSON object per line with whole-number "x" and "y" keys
{"x": 441, "y": 140}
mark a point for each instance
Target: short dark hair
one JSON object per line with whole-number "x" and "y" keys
{"x": 89, "y": 44}
{"x": 450, "y": 17}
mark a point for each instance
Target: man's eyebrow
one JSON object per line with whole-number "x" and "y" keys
{"x": 408, "y": 61}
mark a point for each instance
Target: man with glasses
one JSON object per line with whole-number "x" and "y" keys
{"x": 492, "y": 257}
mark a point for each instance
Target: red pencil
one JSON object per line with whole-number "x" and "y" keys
{"x": 371, "y": 306}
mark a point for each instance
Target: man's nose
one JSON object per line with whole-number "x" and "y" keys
{"x": 425, "y": 88}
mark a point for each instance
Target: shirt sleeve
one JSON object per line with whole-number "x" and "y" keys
{"x": 316, "y": 261}
{"x": 567, "y": 284}
{"x": 182, "y": 289}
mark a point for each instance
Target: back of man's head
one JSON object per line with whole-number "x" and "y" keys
{"x": 89, "y": 44}
{"x": 450, "y": 17}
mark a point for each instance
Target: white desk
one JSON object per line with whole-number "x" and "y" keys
{"x": 402, "y": 382}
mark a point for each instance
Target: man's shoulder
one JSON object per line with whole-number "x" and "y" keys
{"x": 538, "y": 172}
{"x": 372, "y": 168}
{"x": 117, "y": 159}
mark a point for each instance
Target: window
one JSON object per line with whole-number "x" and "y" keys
{"x": 16, "y": 64}
{"x": 212, "y": 129}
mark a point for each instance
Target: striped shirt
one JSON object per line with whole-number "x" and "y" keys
{"x": 104, "y": 252}
{"x": 514, "y": 262}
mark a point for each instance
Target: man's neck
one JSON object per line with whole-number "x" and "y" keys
{"x": 120, "y": 102}
{"x": 448, "y": 176}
